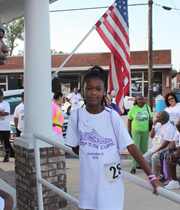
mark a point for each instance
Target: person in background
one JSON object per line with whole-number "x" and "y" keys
{"x": 162, "y": 133}
{"x": 57, "y": 116}
{"x": 74, "y": 99}
{"x": 173, "y": 160}
{"x": 172, "y": 107}
{"x": 138, "y": 126}
{"x": 3, "y": 46}
{"x": 5, "y": 126}
{"x": 19, "y": 117}
{"x": 110, "y": 104}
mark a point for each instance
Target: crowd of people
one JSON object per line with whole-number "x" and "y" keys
{"x": 99, "y": 135}
{"x": 164, "y": 154}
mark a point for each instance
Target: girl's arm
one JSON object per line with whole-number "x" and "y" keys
{"x": 129, "y": 127}
{"x": 76, "y": 150}
{"x": 137, "y": 155}
{"x": 8, "y": 200}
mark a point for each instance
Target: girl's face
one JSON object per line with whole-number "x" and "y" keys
{"x": 171, "y": 101}
{"x": 93, "y": 92}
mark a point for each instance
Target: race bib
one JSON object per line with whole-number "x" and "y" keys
{"x": 157, "y": 140}
{"x": 177, "y": 143}
{"x": 112, "y": 171}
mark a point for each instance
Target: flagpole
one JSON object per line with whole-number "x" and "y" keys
{"x": 60, "y": 67}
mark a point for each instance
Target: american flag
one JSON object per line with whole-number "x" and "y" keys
{"x": 113, "y": 28}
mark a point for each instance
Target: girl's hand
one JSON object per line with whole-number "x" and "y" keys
{"x": 155, "y": 183}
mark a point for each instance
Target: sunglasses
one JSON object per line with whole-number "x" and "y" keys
{"x": 170, "y": 99}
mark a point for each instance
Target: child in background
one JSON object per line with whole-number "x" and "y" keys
{"x": 173, "y": 160}
{"x": 97, "y": 134}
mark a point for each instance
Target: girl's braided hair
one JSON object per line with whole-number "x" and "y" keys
{"x": 96, "y": 72}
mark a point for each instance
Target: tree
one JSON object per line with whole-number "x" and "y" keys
{"x": 13, "y": 31}
{"x": 53, "y": 51}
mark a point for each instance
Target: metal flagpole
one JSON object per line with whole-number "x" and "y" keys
{"x": 55, "y": 73}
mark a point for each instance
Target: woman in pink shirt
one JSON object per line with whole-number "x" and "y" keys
{"x": 57, "y": 116}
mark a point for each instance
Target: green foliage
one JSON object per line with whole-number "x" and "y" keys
{"x": 53, "y": 51}
{"x": 13, "y": 31}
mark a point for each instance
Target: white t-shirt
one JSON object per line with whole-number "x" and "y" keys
{"x": 174, "y": 113}
{"x": 162, "y": 132}
{"x": 176, "y": 138}
{"x": 101, "y": 185}
{"x": 74, "y": 98}
{"x": 5, "y": 120}
{"x": 19, "y": 113}
{"x": 1, "y": 203}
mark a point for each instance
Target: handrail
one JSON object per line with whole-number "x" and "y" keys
{"x": 134, "y": 179}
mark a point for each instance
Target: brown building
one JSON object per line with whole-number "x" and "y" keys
{"x": 11, "y": 74}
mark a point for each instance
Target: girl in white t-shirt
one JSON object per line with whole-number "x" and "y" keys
{"x": 97, "y": 134}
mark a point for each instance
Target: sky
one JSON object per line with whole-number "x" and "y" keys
{"x": 67, "y": 29}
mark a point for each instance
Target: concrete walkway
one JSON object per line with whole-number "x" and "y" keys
{"x": 136, "y": 198}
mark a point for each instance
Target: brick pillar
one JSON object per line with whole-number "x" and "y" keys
{"x": 53, "y": 170}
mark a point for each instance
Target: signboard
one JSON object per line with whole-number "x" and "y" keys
{"x": 65, "y": 89}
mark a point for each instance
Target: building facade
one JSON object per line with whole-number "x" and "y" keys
{"x": 72, "y": 73}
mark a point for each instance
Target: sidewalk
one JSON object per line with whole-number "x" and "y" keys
{"x": 136, "y": 198}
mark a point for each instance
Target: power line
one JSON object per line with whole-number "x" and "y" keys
{"x": 71, "y": 10}
{"x": 130, "y": 5}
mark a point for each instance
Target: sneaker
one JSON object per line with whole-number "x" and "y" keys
{"x": 160, "y": 177}
{"x": 6, "y": 159}
{"x": 133, "y": 171}
{"x": 166, "y": 182}
{"x": 172, "y": 185}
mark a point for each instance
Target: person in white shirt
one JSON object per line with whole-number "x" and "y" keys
{"x": 172, "y": 107}
{"x": 162, "y": 133}
{"x": 5, "y": 126}
{"x": 19, "y": 117}
{"x": 74, "y": 99}
{"x": 97, "y": 133}
{"x": 173, "y": 160}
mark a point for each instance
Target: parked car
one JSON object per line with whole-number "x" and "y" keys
{"x": 128, "y": 102}
{"x": 14, "y": 98}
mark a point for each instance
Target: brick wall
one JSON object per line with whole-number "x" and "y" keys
{"x": 91, "y": 59}
{"x": 53, "y": 170}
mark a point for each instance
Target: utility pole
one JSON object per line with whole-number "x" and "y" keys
{"x": 150, "y": 55}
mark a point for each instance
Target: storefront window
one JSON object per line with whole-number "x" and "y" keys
{"x": 73, "y": 79}
{"x": 15, "y": 81}
{"x": 136, "y": 84}
{"x": 139, "y": 83}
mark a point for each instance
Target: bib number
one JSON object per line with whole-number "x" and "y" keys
{"x": 113, "y": 171}
{"x": 157, "y": 140}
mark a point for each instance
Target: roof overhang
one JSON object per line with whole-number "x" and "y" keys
{"x": 11, "y": 10}
{"x": 160, "y": 66}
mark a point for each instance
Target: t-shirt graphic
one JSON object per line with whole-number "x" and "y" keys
{"x": 94, "y": 140}
{"x": 142, "y": 116}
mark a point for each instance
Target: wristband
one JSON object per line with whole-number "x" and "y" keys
{"x": 153, "y": 179}
{"x": 153, "y": 126}
{"x": 150, "y": 177}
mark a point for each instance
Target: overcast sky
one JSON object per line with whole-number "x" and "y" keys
{"x": 67, "y": 29}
